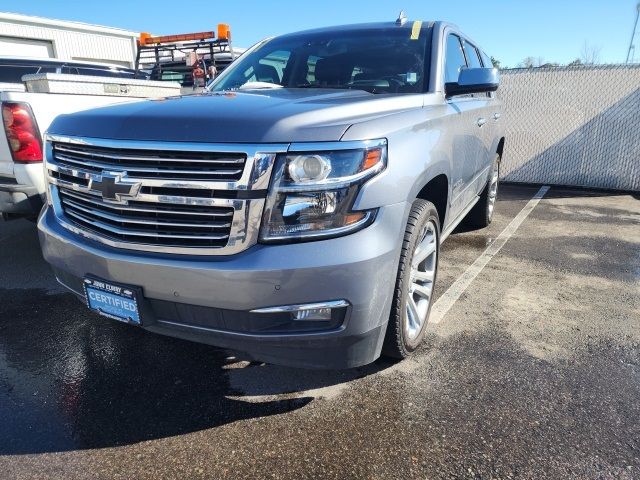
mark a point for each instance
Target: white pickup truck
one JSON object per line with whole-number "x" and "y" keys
{"x": 28, "y": 108}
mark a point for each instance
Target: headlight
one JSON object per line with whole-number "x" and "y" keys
{"x": 312, "y": 193}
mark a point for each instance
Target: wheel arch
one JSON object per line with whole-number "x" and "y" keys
{"x": 436, "y": 191}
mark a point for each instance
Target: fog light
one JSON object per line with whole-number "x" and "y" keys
{"x": 310, "y": 312}
{"x": 322, "y": 314}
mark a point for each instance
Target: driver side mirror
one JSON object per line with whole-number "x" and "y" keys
{"x": 474, "y": 80}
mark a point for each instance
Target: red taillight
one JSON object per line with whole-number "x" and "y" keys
{"x": 22, "y": 132}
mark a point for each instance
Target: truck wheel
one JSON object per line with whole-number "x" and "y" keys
{"x": 417, "y": 273}
{"x": 481, "y": 214}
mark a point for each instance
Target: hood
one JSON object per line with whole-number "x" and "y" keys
{"x": 257, "y": 116}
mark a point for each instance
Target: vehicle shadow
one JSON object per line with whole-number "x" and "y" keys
{"x": 72, "y": 380}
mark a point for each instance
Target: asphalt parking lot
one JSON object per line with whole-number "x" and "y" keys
{"x": 532, "y": 372}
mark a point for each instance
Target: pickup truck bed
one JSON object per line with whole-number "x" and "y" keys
{"x": 22, "y": 185}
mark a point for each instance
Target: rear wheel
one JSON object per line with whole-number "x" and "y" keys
{"x": 417, "y": 272}
{"x": 481, "y": 214}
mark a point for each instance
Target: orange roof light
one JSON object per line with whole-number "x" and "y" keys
{"x": 146, "y": 39}
{"x": 224, "y": 31}
{"x": 143, "y": 38}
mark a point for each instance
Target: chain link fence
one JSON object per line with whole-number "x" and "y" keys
{"x": 576, "y": 126}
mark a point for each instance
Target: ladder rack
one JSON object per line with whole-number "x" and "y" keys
{"x": 171, "y": 57}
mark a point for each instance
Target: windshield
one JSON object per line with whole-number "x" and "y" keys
{"x": 379, "y": 60}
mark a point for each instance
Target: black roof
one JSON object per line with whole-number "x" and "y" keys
{"x": 359, "y": 27}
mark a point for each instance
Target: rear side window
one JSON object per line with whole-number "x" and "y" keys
{"x": 105, "y": 72}
{"x": 69, "y": 70}
{"x": 454, "y": 59}
{"x": 473, "y": 58}
{"x": 486, "y": 60}
{"x": 14, "y": 73}
{"x": 173, "y": 72}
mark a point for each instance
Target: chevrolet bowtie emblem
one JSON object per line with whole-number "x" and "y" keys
{"x": 114, "y": 186}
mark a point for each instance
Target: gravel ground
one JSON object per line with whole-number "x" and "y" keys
{"x": 533, "y": 373}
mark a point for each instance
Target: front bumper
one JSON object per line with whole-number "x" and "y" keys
{"x": 18, "y": 199}
{"x": 360, "y": 268}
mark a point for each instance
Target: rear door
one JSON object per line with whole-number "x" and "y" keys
{"x": 484, "y": 122}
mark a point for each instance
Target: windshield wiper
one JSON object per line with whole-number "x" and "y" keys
{"x": 340, "y": 87}
{"x": 258, "y": 85}
{"x": 334, "y": 87}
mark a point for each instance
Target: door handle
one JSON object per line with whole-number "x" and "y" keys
{"x": 481, "y": 121}
{"x": 496, "y": 116}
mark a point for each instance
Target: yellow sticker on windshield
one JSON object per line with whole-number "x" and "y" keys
{"x": 415, "y": 31}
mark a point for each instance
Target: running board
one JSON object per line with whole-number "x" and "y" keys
{"x": 452, "y": 226}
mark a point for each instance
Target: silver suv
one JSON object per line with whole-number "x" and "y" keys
{"x": 294, "y": 211}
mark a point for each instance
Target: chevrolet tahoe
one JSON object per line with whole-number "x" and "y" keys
{"x": 293, "y": 211}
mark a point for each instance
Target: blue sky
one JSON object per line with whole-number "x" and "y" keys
{"x": 508, "y": 29}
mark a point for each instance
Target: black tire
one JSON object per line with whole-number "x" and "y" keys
{"x": 481, "y": 214}
{"x": 397, "y": 344}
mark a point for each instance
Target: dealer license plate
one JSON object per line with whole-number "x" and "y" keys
{"x": 118, "y": 302}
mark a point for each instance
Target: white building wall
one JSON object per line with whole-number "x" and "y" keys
{"x": 73, "y": 40}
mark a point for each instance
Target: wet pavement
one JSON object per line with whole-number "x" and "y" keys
{"x": 533, "y": 373}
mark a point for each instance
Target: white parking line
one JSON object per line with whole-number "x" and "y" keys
{"x": 451, "y": 296}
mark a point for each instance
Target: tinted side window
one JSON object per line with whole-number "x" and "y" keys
{"x": 69, "y": 70}
{"x": 14, "y": 73}
{"x": 47, "y": 70}
{"x": 173, "y": 72}
{"x": 98, "y": 72}
{"x": 472, "y": 55}
{"x": 486, "y": 60}
{"x": 454, "y": 59}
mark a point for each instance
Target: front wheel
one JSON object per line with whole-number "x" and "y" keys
{"x": 417, "y": 272}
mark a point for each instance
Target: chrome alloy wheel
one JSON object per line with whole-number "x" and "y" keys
{"x": 423, "y": 272}
{"x": 493, "y": 188}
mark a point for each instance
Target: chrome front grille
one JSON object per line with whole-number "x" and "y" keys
{"x": 160, "y": 197}
{"x": 143, "y": 221}
{"x": 152, "y": 163}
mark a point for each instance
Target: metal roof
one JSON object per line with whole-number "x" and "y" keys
{"x": 67, "y": 24}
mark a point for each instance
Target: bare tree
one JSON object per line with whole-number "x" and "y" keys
{"x": 590, "y": 54}
{"x": 531, "y": 62}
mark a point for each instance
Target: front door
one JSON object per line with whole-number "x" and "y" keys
{"x": 468, "y": 149}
